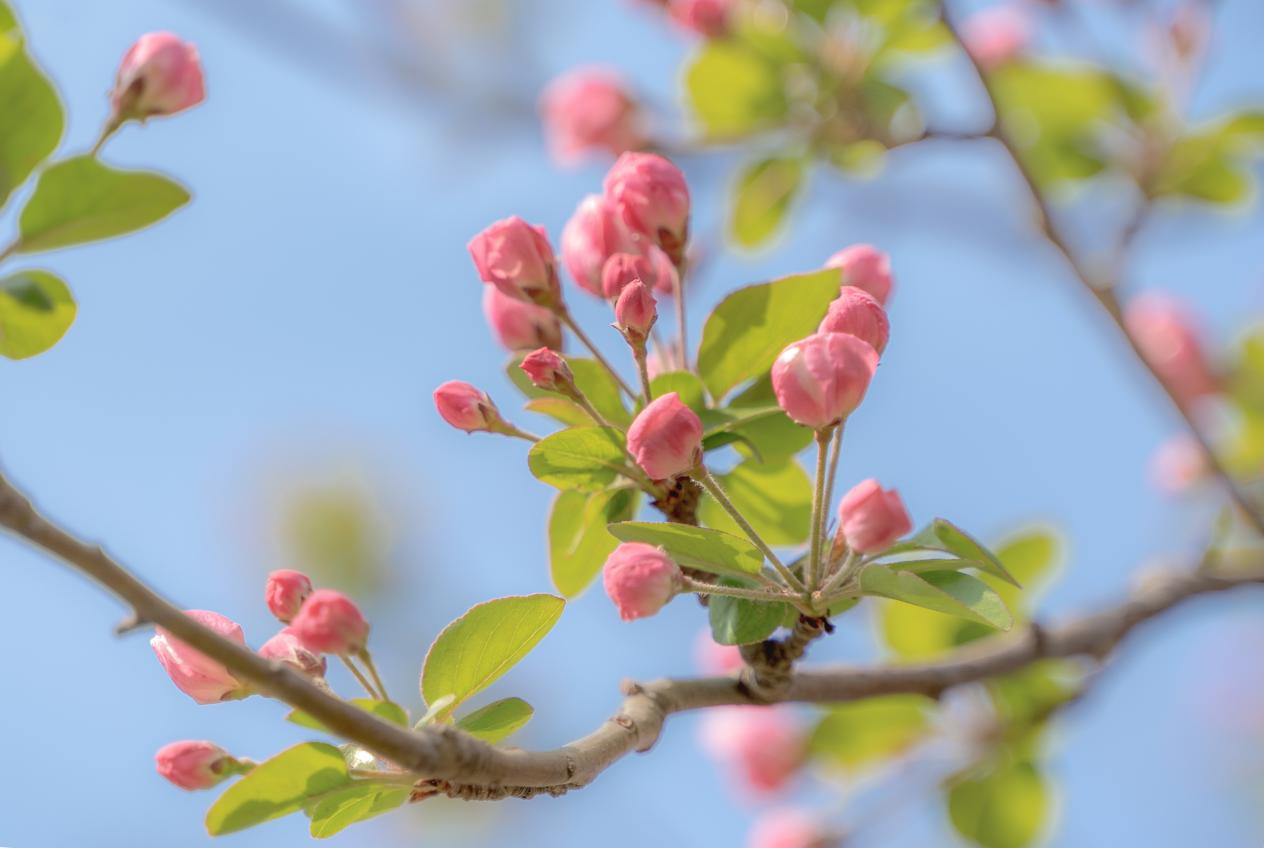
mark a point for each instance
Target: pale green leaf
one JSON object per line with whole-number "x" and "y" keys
{"x": 587, "y": 458}
{"x": 761, "y": 198}
{"x": 696, "y": 547}
{"x": 480, "y": 646}
{"x": 498, "y": 720}
{"x": 355, "y": 803}
{"x": 36, "y": 310}
{"x": 733, "y": 90}
{"x": 862, "y": 733}
{"x": 387, "y": 710}
{"x": 948, "y": 592}
{"x": 33, "y": 121}
{"x": 578, "y": 539}
{"x": 278, "y": 786}
{"x": 1007, "y": 807}
{"x": 775, "y": 498}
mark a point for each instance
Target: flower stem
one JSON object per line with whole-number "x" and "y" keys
{"x": 367, "y": 659}
{"x": 709, "y": 483}
{"x": 368, "y": 687}
{"x": 678, "y": 292}
{"x": 818, "y": 508}
{"x": 691, "y": 585}
{"x": 643, "y": 369}
{"x": 565, "y": 317}
{"x": 848, "y": 569}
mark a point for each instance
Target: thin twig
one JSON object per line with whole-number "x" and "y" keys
{"x": 565, "y": 316}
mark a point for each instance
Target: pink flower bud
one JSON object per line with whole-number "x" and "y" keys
{"x": 586, "y": 110}
{"x": 159, "y": 75}
{"x": 665, "y": 277}
{"x": 788, "y": 828}
{"x": 762, "y": 746}
{"x": 329, "y": 623}
{"x": 666, "y": 438}
{"x": 621, "y": 269}
{"x": 858, "y": 313}
{"x": 286, "y": 647}
{"x": 1178, "y": 464}
{"x": 996, "y": 36}
{"x": 547, "y": 370}
{"x": 519, "y": 325}
{"x": 708, "y": 18}
{"x": 591, "y": 236}
{"x": 714, "y": 658}
{"x": 1164, "y": 331}
{"x": 635, "y": 311}
{"x": 820, "y": 380}
{"x": 194, "y": 765}
{"x": 652, "y": 198}
{"x": 640, "y": 579}
{"x": 864, "y": 267}
{"x": 285, "y": 592}
{"x": 195, "y": 674}
{"x": 465, "y": 407}
{"x": 516, "y": 258}
{"x": 872, "y": 519}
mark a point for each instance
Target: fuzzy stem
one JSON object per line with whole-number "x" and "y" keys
{"x": 574, "y": 327}
{"x": 703, "y": 476}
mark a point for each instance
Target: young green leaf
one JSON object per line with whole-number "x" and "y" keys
{"x": 762, "y": 197}
{"x": 738, "y": 621}
{"x": 746, "y": 331}
{"x": 498, "y": 720}
{"x": 696, "y": 547}
{"x": 483, "y": 644}
{"x": 862, "y": 733}
{"x": 24, "y": 92}
{"x": 943, "y": 591}
{"x": 578, "y": 539}
{"x": 277, "y": 787}
{"x": 355, "y": 803}
{"x": 685, "y": 384}
{"x": 941, "y": 535}
{"x": 586, "y": 458}
{"x": 733, "y": 90}
{"x": 36, "y": 310}
{"x": 1007, "y": 807}
{"x": 387, "y": 710}
{"x": 80, "y": 200}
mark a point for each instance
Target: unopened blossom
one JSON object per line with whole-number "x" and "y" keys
{"x": 590, "y": 110}
{"x": 996, "y": 35}
{"x": 1178, "y": 464}
{"x": 160, "y": 75}
{"x": 593, "y": 234}
{"x": 636, "y": 311}
{"x": 652, "y": 198}
{"x": 547, "y": 370}
{"x": 763, "y": 747}
{"x": 285, "y": 591}
{"x": 192, "y": 764}
{"x": 787, "y": 827}
{"x": 820, "y": 380}
{"x": 865, "y": 267}
{"x": 288, "y": 648}
{"x": 872, "y": 518}
{"x": 519, "y": 325}
{"x": 1165, "y": 332}
{"x": 665, "y": 439}
{"x": 858, "y": 313}
{"x": 713, "y": 658}
{"x": 708, "y": 18}
{"x": 516, "y": 258}
{"x": 203, "y": 679}
{"x": 465, "y": 407}
{"x": 330, "y": 623}
{"x": 623, "y": 268}
{"x": 640, "y": 579}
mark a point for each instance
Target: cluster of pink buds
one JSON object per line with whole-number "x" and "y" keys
{"x": 764, "y": 747}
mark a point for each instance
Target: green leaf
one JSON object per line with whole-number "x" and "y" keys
{"x": 738, "y": 621}
{"x": 1031, "y": 556}
{"x": 733, "y": 90}
{"x": 861, "y": 733}
{"x": 355, "y": 803}
{"x": 278, "y": 786}
{"x": 387, "y": 710}
{"x": 762, "y": 197}
{"x": 1007, "y": 807}
{"x": 36, "y": 310}
{"x": 33, "y": 121}
{"x": 483, "y": 644}
{"x": 80, "y": 200}
{"x": 696, "y": 547}
{"x": 775, "y": 498}
{"x": 498, "y": 720}
{"x": 941, "y": 535}
{"x": 1211, "y": 163}
{"x": 750, "y": 327}
{"x": 915, "y": 633}
{"x": 578, "y": 539}
{"x": 590, "y": 378}
{"x": 586, "y": 458}
{"x": 948, "y": 592}
{"x": 684, "y": 383}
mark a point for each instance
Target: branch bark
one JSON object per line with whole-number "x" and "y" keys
{"x": 449, "y": 761}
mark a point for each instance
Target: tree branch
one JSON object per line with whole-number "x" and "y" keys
{"x": 451, "y": 762}
{"x": 1102, "y": 290}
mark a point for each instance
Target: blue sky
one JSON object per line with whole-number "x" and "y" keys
{"x": 295, "y": 317}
